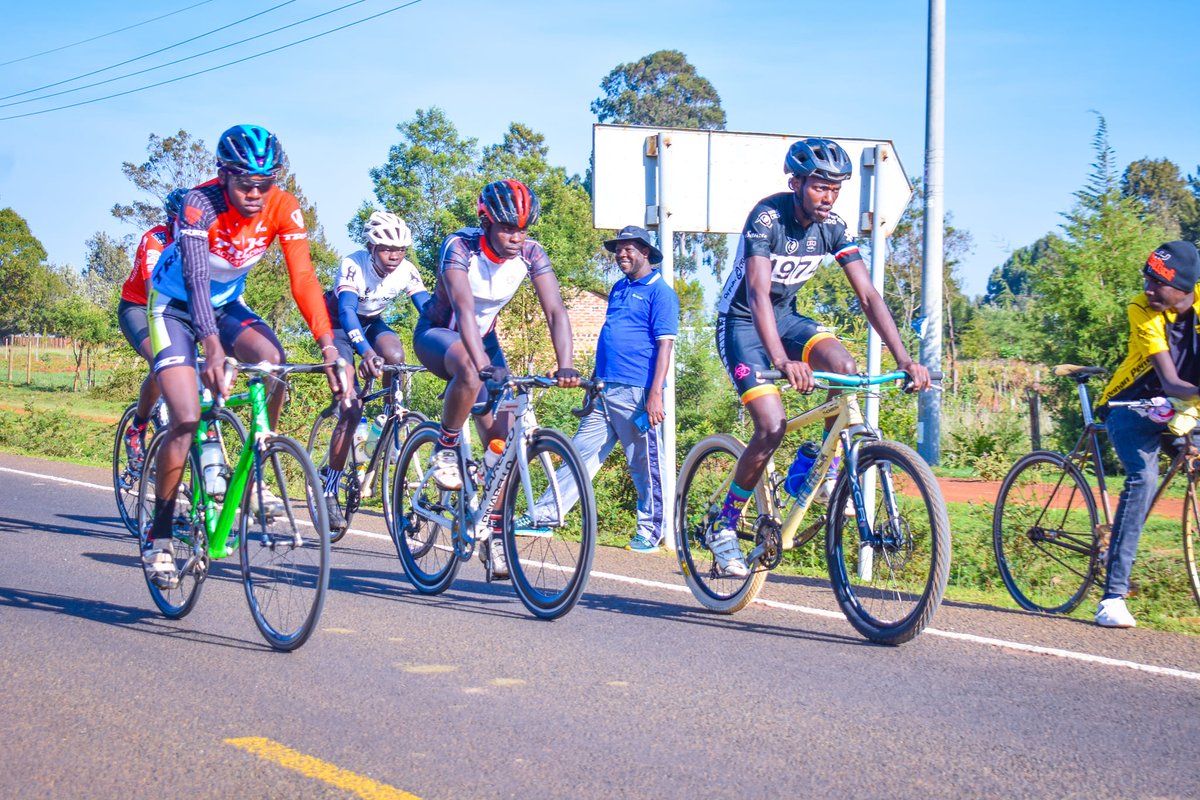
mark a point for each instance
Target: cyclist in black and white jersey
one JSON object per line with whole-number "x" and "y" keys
{"x": 786, "y": 239}
{"x": 479, "y": 271}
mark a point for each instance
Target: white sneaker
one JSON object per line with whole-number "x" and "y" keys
{"x": 723, "y": 543}
{"x": 499, "y": 564}
{"x": 445, "y": 469}
{"x": 1112, "y": 613}
{"x": 158, "y": 558}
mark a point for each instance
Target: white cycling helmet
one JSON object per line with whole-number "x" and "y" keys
{"x": 385, "y": 228}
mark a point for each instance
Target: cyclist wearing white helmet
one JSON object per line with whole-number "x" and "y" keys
{"x": 367, "y": 283}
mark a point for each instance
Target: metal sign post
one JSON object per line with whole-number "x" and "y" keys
{"x": 666, "y": 243}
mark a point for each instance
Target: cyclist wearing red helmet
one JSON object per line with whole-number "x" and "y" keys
{"x": 225, "y": 227}
{"x": 479, "y": 271}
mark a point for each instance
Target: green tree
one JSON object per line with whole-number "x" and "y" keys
{"x": 664, "y": 89}
{"x": 90, "y": 327}
{"x": 428, "y": 180}
{"x": 23, "y": 273}
{"x": 1082, "y": 288}
{"x": 1162, "y": 192}
{"x": 106, "y": 266}
{"x": 173, "y": 162}
{"x": 1012, "y": 280}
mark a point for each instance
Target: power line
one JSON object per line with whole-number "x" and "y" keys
{"x": 101, "y": 36}
{"x": 219, "y": 66}
{"x": 131, "y": 60}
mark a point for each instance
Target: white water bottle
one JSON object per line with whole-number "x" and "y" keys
{"x": 360, "y": 440}
{"x": 212, "y": 465}
{"x": 491, "y": 455}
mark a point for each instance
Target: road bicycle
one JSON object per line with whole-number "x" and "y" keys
{"x": 549, "y": 551}
{"x": 268, "y": 508}
{"x": 1047, "y": 533}
{"x": 359, "y": 477}
{"x": 887, "y": 534}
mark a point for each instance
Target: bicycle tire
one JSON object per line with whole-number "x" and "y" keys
{"x": 397, "y": 432}
{"x": 910, "y": 565}
{"x": 1044, "y": 533}
{"x": 425, "y": 548}
{"x": 1191, "y": 533}
{"x": 703, "y": 481}
{"x": 125, "y": 481}
{"x": 285, "y": 556}
{"x": 549, "y": 565}
{"x": 319, "y": 438}
{"x": 189, "y": 539}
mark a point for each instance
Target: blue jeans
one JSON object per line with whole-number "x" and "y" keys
{"x": 1136, "y": 440}
{"x": 612, "y": 421}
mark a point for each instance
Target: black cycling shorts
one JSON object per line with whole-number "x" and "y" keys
{"x": 173, "y": 337}
{"x": 431, "y": 342}
{"x": 135, "y": 325}
{"x": 743, "y": 354}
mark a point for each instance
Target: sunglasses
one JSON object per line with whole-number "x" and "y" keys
{"x": 245, "y": 183}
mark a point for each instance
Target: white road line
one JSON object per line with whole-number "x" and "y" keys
{"x": 987, "y": 641}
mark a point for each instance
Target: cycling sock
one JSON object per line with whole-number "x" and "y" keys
{"x": 496, "y": 523}
{"x": 735, "y": 501}
{"x": 1110, "y": 596}
{"x": 164, "y": 512}
{"x": 332, "y": 477}
{"x": 138, "y": 422}
{"x": 448, "y": 438}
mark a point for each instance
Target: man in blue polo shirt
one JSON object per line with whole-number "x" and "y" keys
{"x": 632, "y": 357}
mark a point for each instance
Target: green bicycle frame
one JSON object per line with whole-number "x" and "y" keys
{"x": 219, "y": 527}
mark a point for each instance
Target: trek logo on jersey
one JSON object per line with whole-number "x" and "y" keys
{"x": 1156, "y": 263}
{"x": 241, "y": 251}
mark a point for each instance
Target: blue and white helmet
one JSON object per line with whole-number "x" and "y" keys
{"x": 249, "y": 150}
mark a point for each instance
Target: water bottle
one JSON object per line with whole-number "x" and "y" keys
{"x": 491, "y": 455}
{"x": 360, "y": 440}
{"x": 373, "y": 431}
{"x": 805, "y": 457}
{"x": 212, "y": 465}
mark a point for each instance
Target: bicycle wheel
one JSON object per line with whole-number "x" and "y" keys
{"x": 550, "y": 551}
{"x": 396, "y": 433}
{"x": 285, "y": 554}
{"x": 889, "y": 585}
{"x": 1191, "y": 533}
{"x": 319, "y": 438}
{"x": 177, "y": 597}
{"x": 704, "y": 481}
{"x": 1043, "y": 533}
{"x": 425, "y": 515}
{"x": 125, "y": 475}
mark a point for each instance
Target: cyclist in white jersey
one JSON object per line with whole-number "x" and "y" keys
{"x": 368, "y": 282}
{"x": 479, "y": 271}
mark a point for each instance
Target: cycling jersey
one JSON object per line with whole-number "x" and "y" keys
{"x": 374, "y": 291}
{"x": 795, "y": 252}
{"x": 217, "y": 246}
{"x": 148, "y": 252}
{"x": 493, "y": 280}
{"x": 1153, "y": 332}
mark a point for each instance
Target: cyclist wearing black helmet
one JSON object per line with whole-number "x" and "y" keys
{"x": 131, "y": 317}
{"x": 479, "y": 271}
{"x": 786, "y": 238}
{"x": 225, "y": 227}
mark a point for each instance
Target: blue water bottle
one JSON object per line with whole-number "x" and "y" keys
{"x": 806, "y": 456}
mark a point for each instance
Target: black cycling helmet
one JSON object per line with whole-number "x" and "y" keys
{"x": 824, "y": 158}
{"x": 174, "y": 202}
{"x": 249, "y": 150}
{"x": 510, "y": 202}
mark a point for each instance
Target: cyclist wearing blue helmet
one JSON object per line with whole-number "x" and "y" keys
{"x": 225, "y": 227}
{"x": 787, "y": 237}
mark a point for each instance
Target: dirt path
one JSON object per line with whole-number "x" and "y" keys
{"x": 967, "y": 490}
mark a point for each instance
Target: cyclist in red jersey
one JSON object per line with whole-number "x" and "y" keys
{"x": 131, "y": 317}
{"x": 225, "y": 227}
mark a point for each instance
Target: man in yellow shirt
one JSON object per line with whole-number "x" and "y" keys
{"x": 1163, "y": 360}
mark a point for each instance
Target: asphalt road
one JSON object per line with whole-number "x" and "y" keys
{"x": 637, "y": 693}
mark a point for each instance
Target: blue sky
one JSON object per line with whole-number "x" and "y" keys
{"x": 1023, "y": 80}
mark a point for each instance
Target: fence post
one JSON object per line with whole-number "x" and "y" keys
{"x": 29, "y": 361}
{"x": 8, "y": 347}
{"x": 1035, "y": 417}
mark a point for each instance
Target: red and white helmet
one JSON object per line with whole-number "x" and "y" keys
{"x": 387, "y": 229}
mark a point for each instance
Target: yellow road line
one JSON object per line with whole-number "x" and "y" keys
{"x": 311, "y": 767}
